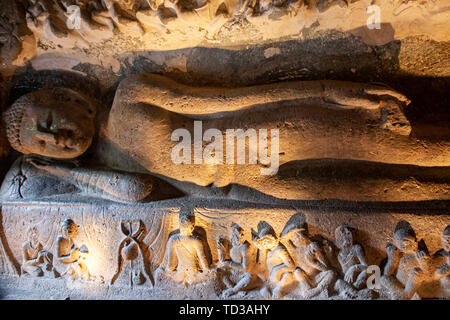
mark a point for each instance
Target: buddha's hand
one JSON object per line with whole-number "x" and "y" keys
{"x": 50, "y": 166}
{"x": 38, "y": 163}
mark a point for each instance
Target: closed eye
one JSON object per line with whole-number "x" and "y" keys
{"x": 49, "y": 120}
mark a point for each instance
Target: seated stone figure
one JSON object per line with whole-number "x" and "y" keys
{"x": 313, "y": 271}
{"x": 279, "y": 262}
{"x": 351, "y": 257}
{"x": 72, "y": 256}
{"x": 353, "y": 264}
{"x": 442, "y": 262}
{"x": 58, "y": 123}
{"x": 186, "y": 256}
{"x": 36, "y": 261}
{"x": 409, "y": 266}
{"x": 238, "y": 271}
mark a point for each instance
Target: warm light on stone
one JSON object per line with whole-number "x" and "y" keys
{"x": 224, "y": 149}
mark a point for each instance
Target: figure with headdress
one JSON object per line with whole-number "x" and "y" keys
{"x": 409, "y": 264}
{"x": 442, "y": 262}
{"x": 351, "y": 257}
{"x": 237, "y": 270}
{"x": 278, "y": 260}
{"x": 72, "y": 256}
{"x": 313, "y": 270}
{"x": 352, "y": 260}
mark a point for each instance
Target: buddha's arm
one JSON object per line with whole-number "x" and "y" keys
{"x": 103, "y": 183}
{"x": 176, "y": 97}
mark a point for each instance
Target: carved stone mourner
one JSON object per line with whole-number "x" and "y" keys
{"x": 279, "y": 262}
{"x": 186, "y": 256}
{"x": 36, "y": 261}
{"x": 442, "y": 262}
{"x": 409, "y": 265}
{"x": 238, "y": 271}
{"x": 313, "y": 271}
{"x": 72, "y": 256}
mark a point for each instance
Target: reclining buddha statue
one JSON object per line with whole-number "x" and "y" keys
{"x": 186, "y": 135}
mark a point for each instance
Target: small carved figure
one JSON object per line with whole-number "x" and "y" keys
{"x": 38, "y": 18}
{"x": 186, "y": 257}
{"x": 353, "y": 263}
{"x": 35, "y": 260}
{"x": 131, "y": 258}
{"x": 351, "y": 257}
{"x": 238, "y": 271}
{"x": 278, "y": 260}
{"x": 74, "y": 257}
{"x": 313, "y": 270}
{"x": 408, "y": 266}
{"x": 442, "y": 260}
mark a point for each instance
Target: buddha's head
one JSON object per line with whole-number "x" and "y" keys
{"x": 237, "y": 235}
{"x": 446, "y": 238}
{"x": 405, "y": 237}
{"x": 56, "y": 123}
{"x": 344, "y": 236}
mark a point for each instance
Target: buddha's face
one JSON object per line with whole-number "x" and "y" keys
{"x": 407, "y": 244}
{"x": 62, "y": 127}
